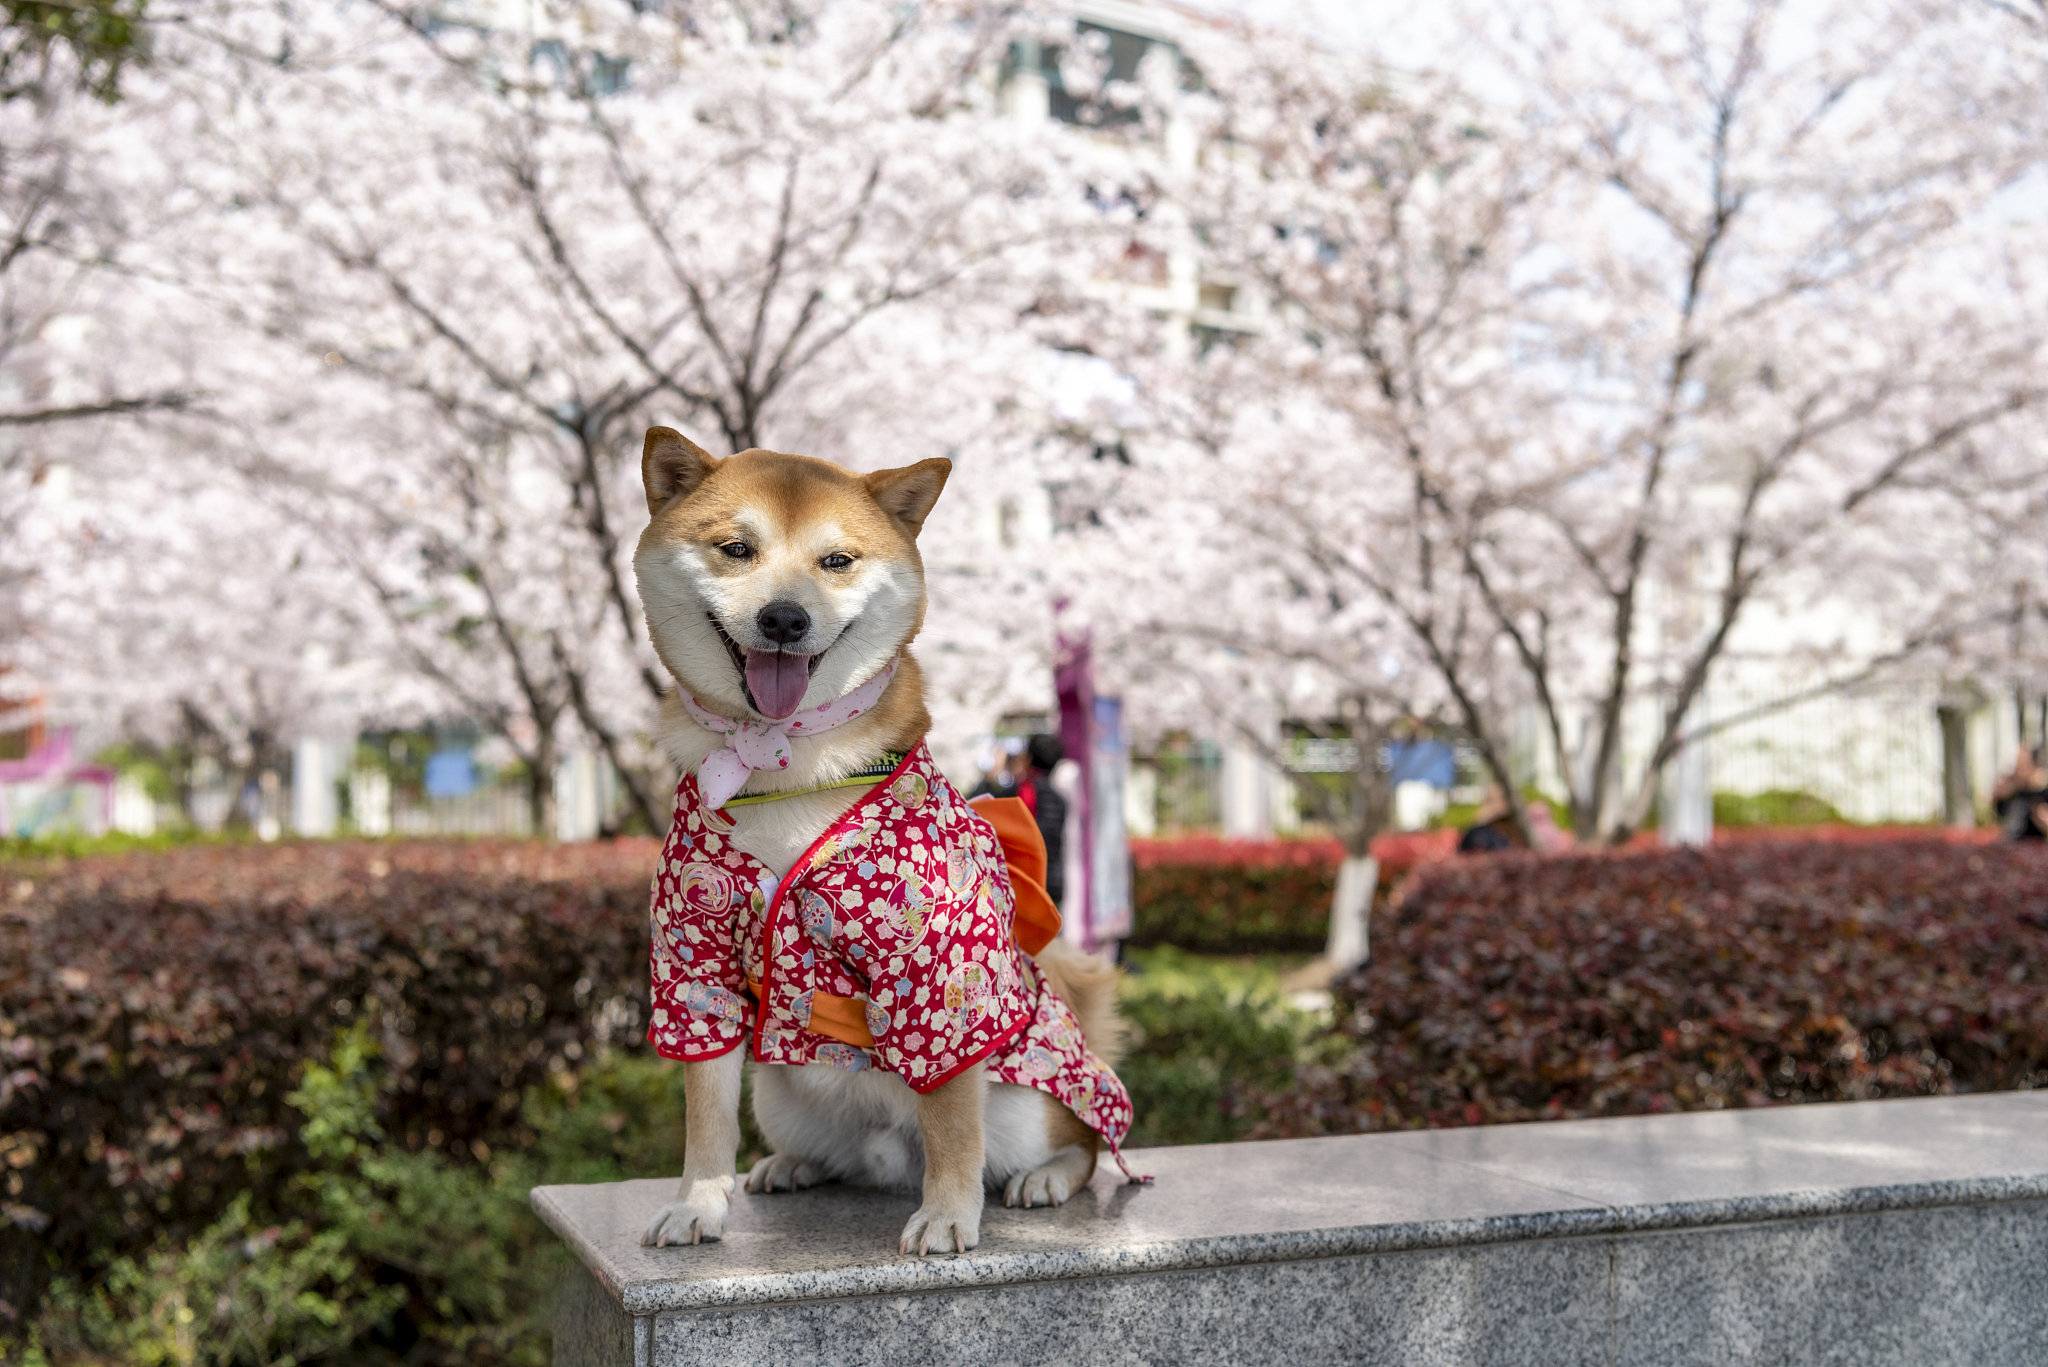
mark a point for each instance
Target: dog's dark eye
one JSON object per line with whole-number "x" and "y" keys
{"x": 838, "y": 560}
{"x": 738, "y": 550}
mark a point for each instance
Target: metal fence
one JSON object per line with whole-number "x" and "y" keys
{"x": 1188, "y": 785}
{"x": 1874, "y": 756}
{"x": 499, "y": 810}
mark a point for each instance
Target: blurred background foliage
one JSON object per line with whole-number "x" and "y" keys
{"x": 278, "y": 1103}
{"x": 86, "y": 42}
{"x": 1775, "y": 807}
{"x": 1210, "y": 1037}
{"x": 377, "y": 1255}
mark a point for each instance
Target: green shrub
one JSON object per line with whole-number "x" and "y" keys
{"x": 1776, "y": 807}
{"x": 157, "y": 1010}
{"x": 1234, "y": 908}
{"x": 263, "y": 1104}
{"x": 305, "y": 1270}
{"x": 241, "y": 1292}
{"x": 373, "y": 1252}
{"x": 1208, "y": 1039}
{"x": 53, "y": 849}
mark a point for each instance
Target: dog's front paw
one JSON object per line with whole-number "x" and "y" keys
{"x": 785, "y": 1172}
{"x": 699, "y": 1215}
{"x": 947, "y": 1229}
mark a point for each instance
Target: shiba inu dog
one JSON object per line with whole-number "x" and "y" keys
{"x": 782, "y": 593}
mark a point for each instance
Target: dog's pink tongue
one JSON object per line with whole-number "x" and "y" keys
{"x": 778, "y": 681}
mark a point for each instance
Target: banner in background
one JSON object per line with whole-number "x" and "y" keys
{"x": 1097, "y": 909}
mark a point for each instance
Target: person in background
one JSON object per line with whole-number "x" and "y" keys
{"x": 1009, "y": 770}
{"x": 1549, "y": 837}
{"x": 1490, "y": 829}
{"x": 2021, "y": 797}
{"x": 1042, "y": 755}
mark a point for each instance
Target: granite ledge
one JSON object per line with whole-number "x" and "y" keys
{"x": 894, "y": 1275}
{"x": 1298, "y": 1200}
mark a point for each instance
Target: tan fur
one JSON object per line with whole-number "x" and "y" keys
{"x": 795, "y": 510}
{"x": 1089, "y": 985}
{"x": 950, "y": 1117}
{"x": 1064, "y": 1129}
{"x": 711, "y": 1140}
{"x": 796, "y": 514}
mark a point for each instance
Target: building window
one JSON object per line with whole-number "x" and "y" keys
{"x": 1123, "y": 53}
{"x": 590, "y": 74}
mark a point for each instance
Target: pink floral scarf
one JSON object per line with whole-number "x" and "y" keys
{"x": 751, "y": 745}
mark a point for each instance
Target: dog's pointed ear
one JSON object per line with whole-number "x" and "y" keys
{"x": 671, "y": 466}
{"x": 909, "y": 493}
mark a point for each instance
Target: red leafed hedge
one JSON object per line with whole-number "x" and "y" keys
{"x": 1398, "y": 852}
{"x": 1511, "y": 987}
{"x": 1402, "y": 853}
{"x": 1219, "y": 896}
{"x": 1215, "y": 849}
{"x": 154, "y": 1010}
{"x": 1233, "y": 908}
{"x": 1858, "y": 835}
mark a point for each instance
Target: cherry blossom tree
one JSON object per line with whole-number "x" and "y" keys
{"x": 1684, "y": 317}
{"x": 78, "y": 364}
{"x": 1583, "y": 369}
{"x": 811, "y": 228}
{"x": 807, "y": 229}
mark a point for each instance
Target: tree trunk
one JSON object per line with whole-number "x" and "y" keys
{"x": 1958, "y": 802}
{"x": 1358, "y": 877}
{"x": 1350, "y": 942}
{"x": 637, "y": 790}
{"x": 1372, "y": 792}
{"x": 540, "y": 784}
{"x": 263, "y": 759}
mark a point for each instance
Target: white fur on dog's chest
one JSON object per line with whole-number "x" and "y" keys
{"x": 777, "y": 833}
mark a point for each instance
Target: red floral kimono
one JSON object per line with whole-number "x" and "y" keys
{"x": 892, "y": 943}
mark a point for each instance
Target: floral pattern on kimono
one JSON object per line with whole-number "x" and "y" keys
{"x": 898, "y": 918}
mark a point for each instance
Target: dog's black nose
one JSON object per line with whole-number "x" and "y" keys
{"x": 783, "y": 623}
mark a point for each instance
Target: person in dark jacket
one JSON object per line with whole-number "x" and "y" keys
{"x": 1491, "y": 828}
{"x": 1049, "y": 809}
{"x": 1001, "y": 781}
{"x": 2021, "y": 798}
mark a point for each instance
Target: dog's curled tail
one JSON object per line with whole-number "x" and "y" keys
{"x": 1088, "y": 985}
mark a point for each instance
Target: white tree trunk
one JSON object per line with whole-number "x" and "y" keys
{"x": 314, "y": 774}
{"x": 1350, "y": 912}
{"x": 1689, "y": 789}
{"x": 1247, "y": 792}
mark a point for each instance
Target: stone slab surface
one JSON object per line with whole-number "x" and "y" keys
{"x": 592, "y": 1327}
{"x": 1211, "y": 1205}
{"x": 1965, "y": 1286}
{"x": 1541, "y": 1304}
{"x": 1290, "y": 1200}
{"x": 1712, "y": 1167}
